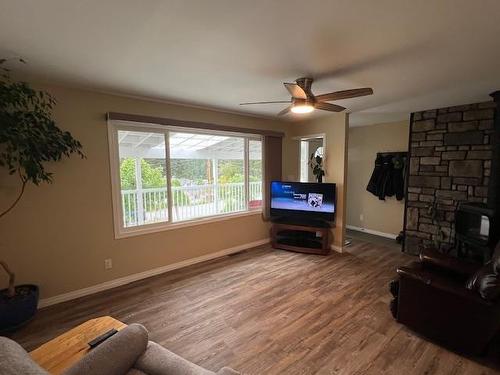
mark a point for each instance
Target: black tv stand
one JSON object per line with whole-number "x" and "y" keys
{"x": 317, "y": 223}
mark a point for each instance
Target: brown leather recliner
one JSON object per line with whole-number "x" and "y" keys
{"x": 433, "y": 298}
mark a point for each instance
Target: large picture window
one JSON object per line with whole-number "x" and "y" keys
{"x": 164, "y": 177}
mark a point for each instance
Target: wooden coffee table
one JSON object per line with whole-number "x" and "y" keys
{"x": 63, "y": 351}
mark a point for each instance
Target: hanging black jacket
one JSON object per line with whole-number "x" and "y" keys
{"x": 398, "y": 176}
{"x": 387, "y": 178}
{"x": 374, "y": 183}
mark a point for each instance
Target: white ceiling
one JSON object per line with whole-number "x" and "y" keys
{"x": 217, "y": 53}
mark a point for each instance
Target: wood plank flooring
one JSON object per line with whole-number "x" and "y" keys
{"x": 268, "y": 311}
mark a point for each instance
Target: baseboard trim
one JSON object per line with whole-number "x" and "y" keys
{"x": 371, "y": 231}
{"x": 143, "y": 275}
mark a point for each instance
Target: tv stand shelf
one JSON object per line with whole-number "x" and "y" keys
{"x": 301, "y": 238}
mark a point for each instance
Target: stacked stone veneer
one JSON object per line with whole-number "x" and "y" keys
{"x": 450, "y": 162}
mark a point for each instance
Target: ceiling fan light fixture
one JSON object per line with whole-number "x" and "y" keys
{"x": 302, "y": 108}
{"x": 304, "y": 101}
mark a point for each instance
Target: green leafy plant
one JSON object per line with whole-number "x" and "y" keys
{"x": 316, "y": 164}
{"x": 231, "y": 171}
{"x": 152, "y": 176}
{"x": 29, "y": 136}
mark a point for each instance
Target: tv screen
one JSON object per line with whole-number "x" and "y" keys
{"x": 303, "y": 199}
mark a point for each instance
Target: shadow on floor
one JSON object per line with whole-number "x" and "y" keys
{"x": 356, "y": 237}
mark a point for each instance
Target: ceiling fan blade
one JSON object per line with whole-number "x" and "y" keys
{"x": 344, "y": 94}
{"x": 295, "y": 90}
{"x": 279, "y": 101}
{"x": 328, "y": 107}
{"x": 285, "y": 111}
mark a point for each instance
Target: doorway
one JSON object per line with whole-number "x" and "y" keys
{"x": 310, "y": 147}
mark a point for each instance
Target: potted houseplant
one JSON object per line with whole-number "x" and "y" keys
{"x": 18, "y": 304}
{"x": 29, "y": 138}
{"x": 316, "y": 164}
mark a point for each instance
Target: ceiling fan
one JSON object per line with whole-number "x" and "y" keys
{"x": 304, "y": 101}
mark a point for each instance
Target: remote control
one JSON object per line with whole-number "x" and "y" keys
{"x": 100, "y": 339}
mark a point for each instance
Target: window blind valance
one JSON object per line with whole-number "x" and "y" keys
{"x": 189, "y": 124}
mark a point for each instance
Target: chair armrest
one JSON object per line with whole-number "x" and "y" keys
{"x": 158, "y": 360}
{"x": 15, "y": 360}
{"x": 435, "y": 258}
{"x": 462, "y": 292}
{"x": 415, "y": 271}
{"x": 114, "y": 356}
{"x": 227, "y": 371}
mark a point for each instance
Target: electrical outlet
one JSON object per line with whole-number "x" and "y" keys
{"x": 361, "y": 217}
{"x": 108, "y": 264}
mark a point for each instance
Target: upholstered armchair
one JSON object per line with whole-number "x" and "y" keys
{"x": 450, "y": 301}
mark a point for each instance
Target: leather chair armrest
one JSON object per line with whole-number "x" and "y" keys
{"x": 461, "y": 292}
{"x": 417, "y": 272}
{"x": 435, "y": 258}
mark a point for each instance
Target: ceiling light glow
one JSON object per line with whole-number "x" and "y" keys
{"x": 302, "y": 108}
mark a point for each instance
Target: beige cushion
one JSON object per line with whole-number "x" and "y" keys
{"x": 227, "y": 371}
{"x": 157, "y": 360}
{"x": 115, "y": 356}
{"x": 134, "y": 371}
{"x": 14, "y": 360}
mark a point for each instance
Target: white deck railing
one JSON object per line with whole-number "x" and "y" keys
{"x": 188, "y": 202}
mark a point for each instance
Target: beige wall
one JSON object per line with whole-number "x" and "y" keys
{"x": 364, "y": 143}
{"x": 59, "y": 235}
{"x": 335, "y": 127}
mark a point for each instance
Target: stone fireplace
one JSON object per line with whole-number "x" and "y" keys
{"x": 451, "y": 155}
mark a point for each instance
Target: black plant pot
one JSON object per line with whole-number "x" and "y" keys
{"x": 18, "y": 310}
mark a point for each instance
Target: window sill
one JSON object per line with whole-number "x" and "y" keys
{"x": 153, "y": 228}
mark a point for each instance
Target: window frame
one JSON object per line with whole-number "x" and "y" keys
{"x": 120, "y": 231}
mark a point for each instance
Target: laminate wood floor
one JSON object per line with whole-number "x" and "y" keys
{"x": 268, "y": 311}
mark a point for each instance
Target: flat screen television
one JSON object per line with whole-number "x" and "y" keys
{"x": 303, "y": 200}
